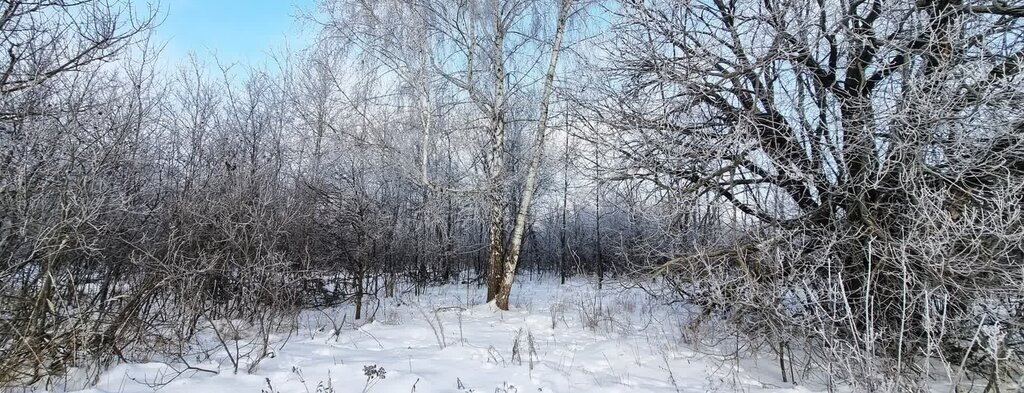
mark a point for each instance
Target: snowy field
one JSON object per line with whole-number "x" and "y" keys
{"x": 557, "y": 338}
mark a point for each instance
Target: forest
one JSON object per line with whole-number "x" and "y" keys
{"x": 835, "y": 183}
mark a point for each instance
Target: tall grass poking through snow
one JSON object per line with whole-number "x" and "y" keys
{"x": 563, "y": 338}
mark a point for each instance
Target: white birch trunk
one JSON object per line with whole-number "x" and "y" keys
{"x": 523, "y": 212}
{"x": 496, "y": 230}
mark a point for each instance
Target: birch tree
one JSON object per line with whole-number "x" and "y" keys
{"x": 508, "y": 268}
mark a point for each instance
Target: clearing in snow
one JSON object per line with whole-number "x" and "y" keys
{"x": 557, "y": 338}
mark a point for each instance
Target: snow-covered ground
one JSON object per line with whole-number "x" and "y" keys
{"x": 557, "y": 338}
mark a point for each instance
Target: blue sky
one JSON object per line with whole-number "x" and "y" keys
{"x": 236, "y": 30}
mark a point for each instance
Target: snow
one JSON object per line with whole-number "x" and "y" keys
{"x": 556, "y": 338}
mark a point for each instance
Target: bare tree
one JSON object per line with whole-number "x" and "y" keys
{"x": 507, "y": 277}
{"x": 70, "y": 122}
{"x": 485, "y": 51}
{"x": 870, "y": 150}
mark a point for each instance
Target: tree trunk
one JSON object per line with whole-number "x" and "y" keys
{"x": 597, "y": 221}
{"x": 359, "y": 294}
{"x": 496, "y": 230}
{"x": 564, "y": 255}
{"x": 516, "y": 241}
